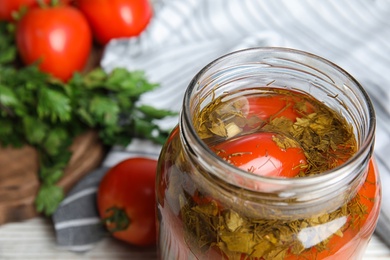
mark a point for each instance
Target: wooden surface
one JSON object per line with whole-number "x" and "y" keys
{"x": 19, "y": 181}
{"x": 34, "y": 239}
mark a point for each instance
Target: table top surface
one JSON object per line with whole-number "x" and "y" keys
{"x": 35, "y": 239}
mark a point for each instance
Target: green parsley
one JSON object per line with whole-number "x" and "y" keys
{"x": 48, "y": 114}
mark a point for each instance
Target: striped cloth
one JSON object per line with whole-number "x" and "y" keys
{"x": 185, "y": 35}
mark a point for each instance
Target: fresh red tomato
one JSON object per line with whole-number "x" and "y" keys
{"x": 260, "y": 154}
{"x": 59, "y": 38}
{"x": 110, "y": 19}
{"x": 126, "y": 201}
{"x": 7, "y": 7}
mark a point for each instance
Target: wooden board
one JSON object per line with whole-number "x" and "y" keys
{"x": 19, "y": 181}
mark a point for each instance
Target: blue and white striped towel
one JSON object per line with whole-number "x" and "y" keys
{"x": 185, "y": 35}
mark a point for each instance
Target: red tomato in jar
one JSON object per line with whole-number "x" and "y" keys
{"x": 58, "y": 38}
{"x": 265, "y": 107}
{"x": 260, "y": 154}
{"x": 126, "y": 201}
{"x": 110, "y": 19}
{"x": 7, "y": 7}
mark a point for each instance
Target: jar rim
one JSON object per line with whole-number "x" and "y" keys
{"x": 328, "y": 177}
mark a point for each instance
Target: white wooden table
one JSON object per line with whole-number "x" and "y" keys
{"x": 34, "y": 239}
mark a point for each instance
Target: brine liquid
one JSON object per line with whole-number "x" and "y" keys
{"x": 293, "y": 120}
{"x": 195, "y": 223}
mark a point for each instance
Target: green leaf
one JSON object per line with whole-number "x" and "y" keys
{"x": 28, "y": 77}
{"x": 54, "y": 105}
{"x": 8, "y": 49}
{"x": 8, "y": 55}
{"x": 118, "y": 76}
{"x": 155, "y": 113}
{"x": 86, "y": 117}
{"x": 10, "y": 133}
{"x": 53, "y": 174}
{"x": 75, "y": 81}
{"x": 118, "y": 138}
{"x": 132, "y": 83}
{"x": 34, "y": 129}
{"x": 48, "y": 199}
{"x": 105, "y": 110}
{"x": 147, "y": 129}
{"x": 56, "y": 140}
{"x": 52, "y": 168}
{"x": 94, "y": 78}
{"x": 6, "y": 129}
{"x": 7, "y": 96}
{"x": 125, "y": 102}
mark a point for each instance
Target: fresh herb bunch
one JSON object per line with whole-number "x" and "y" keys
{"x": 48, "y": 114}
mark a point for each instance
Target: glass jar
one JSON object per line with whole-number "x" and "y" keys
{"x": 211, "y": 205}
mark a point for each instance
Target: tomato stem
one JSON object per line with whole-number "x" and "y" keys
{"x": 118, "y": 217}
{"x": 41, "y": 4}
{"x": 54, "y": 2}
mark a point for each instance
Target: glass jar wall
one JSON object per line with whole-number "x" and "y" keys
{"x": 271, "y": 159}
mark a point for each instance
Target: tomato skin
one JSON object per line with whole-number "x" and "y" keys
{"x": 110, "y": 19}
{"x": 7, "y": 7}
{"x": 258, "y": 153}
{"x": 130, "y": 185}
{"x": 277, "y": 106}
{"x": 59, "y": 38}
